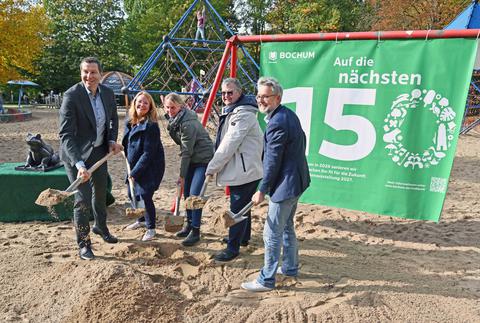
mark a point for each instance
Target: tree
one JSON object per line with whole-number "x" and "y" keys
{"x": 416, "y": 14}
{"x": 251, "y": 15}
{"x": 304, "y": 16}
{"x": 259, "y": 17}
{"x": 149, "y": 21}
{"x": 22, "y": 28}
{"x": 78, "y": 29}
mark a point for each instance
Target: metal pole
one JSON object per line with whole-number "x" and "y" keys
{"x": 216, "y": 83}
{"x": 380, "y": 35}
{"x": 233, "y": 61}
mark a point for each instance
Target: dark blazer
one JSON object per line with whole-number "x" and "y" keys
{"x": 285, "y": 168}
{"x": 145, "y": 155}
{"x": 78, "y": 129}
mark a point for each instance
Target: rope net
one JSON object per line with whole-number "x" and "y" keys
{"x": 189, "y": 63}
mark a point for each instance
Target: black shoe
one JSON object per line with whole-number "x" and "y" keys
{"x": 107, "y": 237}
{"x": 86, "y": 253}
{"x": 226, "y": 255}
{"x": 192, "y": 238}
{"x": 243, "y": 243}
{"x": 185, "y": 231}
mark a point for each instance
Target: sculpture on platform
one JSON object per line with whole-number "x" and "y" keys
{"x": 41, "y": 156}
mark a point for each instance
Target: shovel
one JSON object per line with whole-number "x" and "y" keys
{"x": 51, "y": 197}
{"x": 174, "y": 223}
{"x": 198, "y": 202}
{"x": 138, "y": 207}
{"x": 230, "y": 218}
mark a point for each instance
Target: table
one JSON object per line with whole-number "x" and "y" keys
{"x": 20, "y": 189}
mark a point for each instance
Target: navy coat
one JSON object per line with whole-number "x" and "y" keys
{"x": 144, "y": 151}
{"x": 285, "y": 168}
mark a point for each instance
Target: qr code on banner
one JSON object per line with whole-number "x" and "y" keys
{"x": 438, "y": 184}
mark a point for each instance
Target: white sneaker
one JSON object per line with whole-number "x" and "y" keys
{"x": 255, "y": 286}
{"x": 135, "y": 225}
{"x": 149, "y": 235}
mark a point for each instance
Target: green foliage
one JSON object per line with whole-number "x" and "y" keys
{"x": 306, "y": 16}
{"x": 56, "y": 34}
{"x": 259, "y": 17}
{"x": 78, "y": 29}
{"x": 251, "y": 15}
{"x": 148, "y": 21}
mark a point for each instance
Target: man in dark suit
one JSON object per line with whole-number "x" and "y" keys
{"x": 285, "y": 178}
{"x": 88, "y": 131}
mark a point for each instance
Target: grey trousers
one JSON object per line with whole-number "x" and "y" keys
{"x": 91, "y": 197}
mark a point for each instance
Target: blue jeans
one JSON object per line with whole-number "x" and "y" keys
{"x": 150, "y": 215}
{"x": 200, "y": 33}
{"x": 193, "y": 184}
{"x": 239, "y": 197}
{"x": 279, "y": 230}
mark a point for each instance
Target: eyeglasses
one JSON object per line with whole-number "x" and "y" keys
{"x": 227, "y": 93}
{"x": 264, "y": 97}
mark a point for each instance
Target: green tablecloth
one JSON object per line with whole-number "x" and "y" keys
{"x": 20, "y": 189}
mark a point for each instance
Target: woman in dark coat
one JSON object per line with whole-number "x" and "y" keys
{"x": 196, "y": 150}
{"x": 145, "y": 154}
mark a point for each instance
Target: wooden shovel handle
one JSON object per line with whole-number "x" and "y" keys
{"x": 100, "y": 162}
{"x": 126, "y": 162}
{"x": 131, "y": 184}
{"x": 177, "y": 200}
{"x": 94, "y": 167}
{"x": 204, "y": 186}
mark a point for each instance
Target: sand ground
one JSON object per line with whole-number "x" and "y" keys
{"x": 355, "y": 266}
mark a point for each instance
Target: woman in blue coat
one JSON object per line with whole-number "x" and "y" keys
{"x": 144, "y": 151}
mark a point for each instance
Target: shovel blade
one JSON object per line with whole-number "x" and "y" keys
{"x": 137, "y": 210}
{"x": 134, "y": 212}
{"x": 141, "y": 204}
{"x": 51, "y": 197}
{"x": 239, "y": 219}
{"x": 229, "y": 219}
{"x": 173, "y": 223}
{"x": 195, "y": 202}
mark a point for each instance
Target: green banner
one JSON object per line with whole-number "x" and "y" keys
{"x": 382, "y": 118}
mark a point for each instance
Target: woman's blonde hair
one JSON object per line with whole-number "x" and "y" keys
{"x": 151, "y": 114}
{"x": 175, "y": 98}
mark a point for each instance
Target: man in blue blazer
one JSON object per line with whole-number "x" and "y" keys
{"x": 88, "y": 131}
{"x": 285, "y": 178}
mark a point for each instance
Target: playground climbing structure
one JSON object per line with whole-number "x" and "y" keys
{"x": 187, "y": 66}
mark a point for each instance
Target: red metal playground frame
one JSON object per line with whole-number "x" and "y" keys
{"x": 232, "y": 45}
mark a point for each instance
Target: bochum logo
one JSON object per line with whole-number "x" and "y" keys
{"x": 274, "y": 56}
